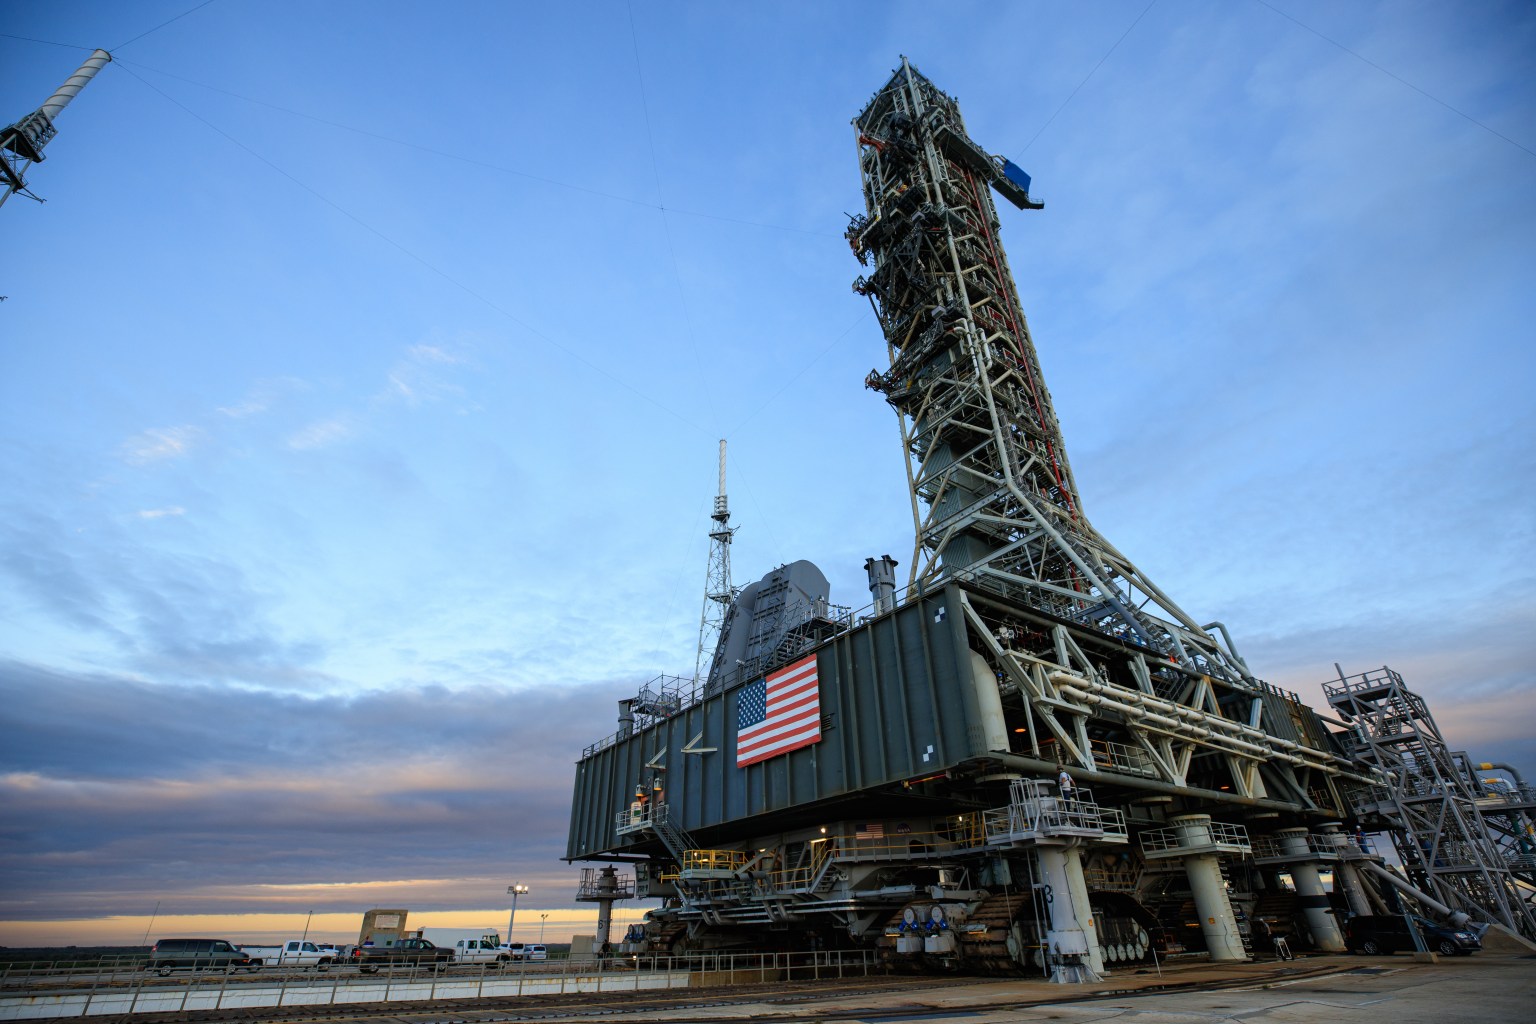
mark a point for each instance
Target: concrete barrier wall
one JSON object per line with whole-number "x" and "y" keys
{"x": 328, "y": 991}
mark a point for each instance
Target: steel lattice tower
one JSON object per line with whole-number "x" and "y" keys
{"x": 718, "y": 592}
{"x": 1430, "y": 804}
{"x": 993, "y": 496}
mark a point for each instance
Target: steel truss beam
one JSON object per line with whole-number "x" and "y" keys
{"x": 1160, "y": 736}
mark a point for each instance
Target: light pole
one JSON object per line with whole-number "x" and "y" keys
{"x": 514, "y": 891}
{"x": 306, "y": 925}
{"x": 541, "y": 928}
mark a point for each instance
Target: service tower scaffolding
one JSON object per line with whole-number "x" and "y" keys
{"x": 992, "y": 491}
{"x": 1429, "y": 804}
{"x": 1030, "y": 759}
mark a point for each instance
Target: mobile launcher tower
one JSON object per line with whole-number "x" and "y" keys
{"x": 892, "y": 779}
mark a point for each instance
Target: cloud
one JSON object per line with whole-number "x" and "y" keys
{"x": 432, "y": 354}
{"x": 53, "y": 570}
{"x": 160, "y": 513}
{"x": 262, "y": 396}
{"x": 413, "y": 381}
{"x": 157, "y": 444}
{"x": 322, "y": 433}
{"x": 185, "y": 615}
{"x": 229, "y": 801}
{"x": 416, "y": 379}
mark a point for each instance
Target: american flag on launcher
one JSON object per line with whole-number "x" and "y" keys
{"x": 779, "y": 713}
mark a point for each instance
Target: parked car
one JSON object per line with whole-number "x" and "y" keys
{"x": 534, "y": 951}
{"x": 405, "y": 953}
{"x": 198, "y": 955}
{"x": 1388, "y": 933}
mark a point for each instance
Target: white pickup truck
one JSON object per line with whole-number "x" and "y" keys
{"x": 479, "y": 951}
{"x": 293, "y": 953}
{"x": 469, "y": 946}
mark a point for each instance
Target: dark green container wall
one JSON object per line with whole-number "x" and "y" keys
{"x": 895, "y": 705}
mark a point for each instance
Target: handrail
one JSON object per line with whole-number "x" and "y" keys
{"x": 713, "y": 860}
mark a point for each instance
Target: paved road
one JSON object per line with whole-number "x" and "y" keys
{"x": 1486, "y": 989}
{"x": 1483, "y": 989}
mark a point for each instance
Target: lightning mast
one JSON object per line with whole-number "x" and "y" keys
{"x": 718, "y": 592}
{"x": 21, "y": 144}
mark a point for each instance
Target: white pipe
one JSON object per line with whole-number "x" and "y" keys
{"x": 72, "y": 86}
{"x": 1453, "y": 916}
{"x": 1176, "y": 727}
{"x": 1295, "y": 753}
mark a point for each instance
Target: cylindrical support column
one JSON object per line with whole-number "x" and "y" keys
{"x": 1070, "y": 941}
{"x": 1081, "y": 905}
{"x": 1217, "y": 922}
{"x": 72, "y": 86}
{"x": 1311, "y": 897}
{"x": 1345, "y": 878}
{"x": 607, "y": 883}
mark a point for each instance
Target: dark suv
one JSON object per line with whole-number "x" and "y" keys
{"x": 198, "y": 955}
{"x": 1389, "y": 933}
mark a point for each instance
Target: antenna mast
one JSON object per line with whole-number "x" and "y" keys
{"x": 21, "y": 144}
{"x": 718, "y": 592}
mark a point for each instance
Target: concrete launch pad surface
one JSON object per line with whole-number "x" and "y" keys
{"x": 1487, "y": 989}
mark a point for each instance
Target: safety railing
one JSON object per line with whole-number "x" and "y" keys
{"x": 595, "y": 884}
{"x": 1329, "y": 847}
{"x": 1119, "y": 878}
{"x": 1108, "y": 756}
{"x": 1037, "y": 809}
{"x": 1195, "y": 836}
{"x": 713, "y": 860}
{"x": 1374, "y": 679}
{"x": 803, "y": 877}
{"x": 636, "y": 817}
{"x": 896, "y": 846}
{"x": 1115, "y": 826}
{"x": 121, "y": 987}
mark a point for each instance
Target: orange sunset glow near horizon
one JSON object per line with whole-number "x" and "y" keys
{"x": 558, "y": 925}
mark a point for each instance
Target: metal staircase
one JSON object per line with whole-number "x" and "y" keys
{"x": 677, "y": 841}
{"x": 1430, "y": 808}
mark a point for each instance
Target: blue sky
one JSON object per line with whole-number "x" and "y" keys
{"x": 360, "y": 382}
